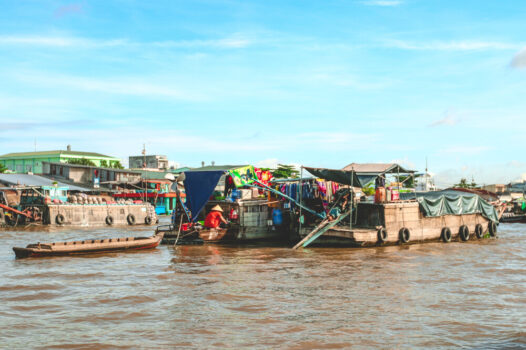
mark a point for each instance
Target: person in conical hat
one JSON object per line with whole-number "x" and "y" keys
{"x": 216, "y": 208}
{"x": 214, "y": 219}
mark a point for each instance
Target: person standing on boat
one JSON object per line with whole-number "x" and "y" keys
{"x": 215, "y": 218}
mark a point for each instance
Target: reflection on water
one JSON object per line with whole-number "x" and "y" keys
{"x": 262, "y": 296}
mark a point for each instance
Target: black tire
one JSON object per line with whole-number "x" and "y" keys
{"x": 492, "y": 228}
{"x": 404, "y": 235}
{"x": 446, "y": 235}
{"x": 109, "y": 220}
{"x": 131, "y": 219}
{"x": 463, "y": 233}
{"x": 479, "y": 231}
{"x": 59, "y": 219}
{"x": 148, "y": 220}
{"x": 382, "y": 235}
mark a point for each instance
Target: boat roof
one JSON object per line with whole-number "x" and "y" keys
{"x": 344, "y": 177}
{"x": 377, "y": 168}
{"x": 217, "y": 168}
{"x": 36, "y": 181}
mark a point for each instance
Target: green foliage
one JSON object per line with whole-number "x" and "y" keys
{"x": 368, "y": 191}
{"x": 285, "y": 172}
{"x": 81, "y": 161}
{"x": 408, "y": 181}
{"x": 3, "y": 169}
{"x": 104, "y": 163}
{"x": 116, "y": 165}
{"x": 464, "y": 184}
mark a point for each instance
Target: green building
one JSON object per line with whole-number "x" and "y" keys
{"x": 26, "y": 162}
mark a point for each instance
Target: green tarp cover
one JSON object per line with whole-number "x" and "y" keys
{"x": 339, "y": 176}
{"x": 448, "y": 202}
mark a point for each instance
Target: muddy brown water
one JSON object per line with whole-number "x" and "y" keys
{"x": 434, "y": 295}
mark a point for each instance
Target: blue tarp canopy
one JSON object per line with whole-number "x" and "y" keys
{"x": 199, "y": 186}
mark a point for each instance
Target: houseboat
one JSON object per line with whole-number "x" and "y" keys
{"x": 413, "y": 218}
{"x": 252, "y": 215}
{"x": 55, "y": 206}
{"x": 157, "y": 192}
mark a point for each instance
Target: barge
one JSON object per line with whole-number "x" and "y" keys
{"x": 54, "y": 206}
{"x": 416, "y": 217}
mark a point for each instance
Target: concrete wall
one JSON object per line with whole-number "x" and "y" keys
{"x": 95, "y": 215}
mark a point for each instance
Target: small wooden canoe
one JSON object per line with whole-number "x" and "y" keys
{"x": 89, "y": 246}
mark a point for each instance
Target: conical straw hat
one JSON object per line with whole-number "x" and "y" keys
{"x": 217, "y": 208}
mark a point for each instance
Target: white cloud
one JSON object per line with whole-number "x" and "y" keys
{"x": 519, "y": 60}
{"x": 121, "y": 86}
{"x": 449, "y": 119}
{"x": 268, "y": 163}
{"x": 451, "y": 45}
{"x": 383, "y": 2}
{"x": 470, "y": 150}
{"x": 232, "y": 42}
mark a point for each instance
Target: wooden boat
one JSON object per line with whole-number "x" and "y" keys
{"x": 513, "y": 218}
{"x": 199, "y": 234}
{"x": 89, "y": 246}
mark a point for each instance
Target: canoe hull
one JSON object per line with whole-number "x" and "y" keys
{"x": 87, "y": 247}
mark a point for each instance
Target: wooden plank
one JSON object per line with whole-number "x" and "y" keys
{"x": 311, "y": 237}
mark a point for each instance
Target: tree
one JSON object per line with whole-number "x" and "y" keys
{"x": 104, "y": 164}
{"x": 3, "y": 169}
{"x": 81, "y": 161}
{"x": 409, "y": 183}
{"x": 369, "y": 190}
{"x": 285, "y": 172}
{"x": 464, "y": 184}
{"x": 116, "y": 165}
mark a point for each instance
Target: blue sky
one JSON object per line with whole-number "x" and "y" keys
{"x": 319, "y": 83}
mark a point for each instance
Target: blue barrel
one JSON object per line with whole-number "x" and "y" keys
{"x": 277, "y": 217}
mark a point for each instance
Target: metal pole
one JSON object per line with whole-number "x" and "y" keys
{"x": 301, "y": 194}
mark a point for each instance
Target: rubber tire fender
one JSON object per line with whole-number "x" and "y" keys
{"x": 492, "y": 228}
{"x": 131, "y": 219}
{"x": 109, "y": 220}
{"x": 446, "y": 235}
{"x": 404, "y": 235}
{"x": 148, "y": 220}
{"x": 463, "y": 233}
{"x": 381, "y": 235}
{"x": 59, "y": 219}
{"x": 479, "y": 231}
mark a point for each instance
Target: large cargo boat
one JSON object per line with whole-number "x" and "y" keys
{"x": 416, "y": 217}
{"x": 54, "y": 206}
{"x": 252, "y": 216}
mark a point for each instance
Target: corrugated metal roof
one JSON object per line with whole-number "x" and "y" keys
{"x": 377, "y": 168}
{"x": 35, "y": 180}
{"x": 55, "y": 153}
{"x": 218, "y": 167}
{"x": 128, "y": 171}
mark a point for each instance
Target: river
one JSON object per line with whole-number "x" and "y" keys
{"x": 433, "y": 295}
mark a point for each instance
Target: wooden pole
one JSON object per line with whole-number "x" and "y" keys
{"x": 178, "y": 231}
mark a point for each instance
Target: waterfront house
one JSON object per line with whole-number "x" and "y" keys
{"x": 31, "y": 162}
